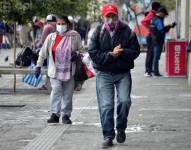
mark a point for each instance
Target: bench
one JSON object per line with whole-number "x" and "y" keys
{"x": 17, "y": 70}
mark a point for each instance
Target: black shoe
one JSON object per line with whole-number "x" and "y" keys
{"x": 53, "y": 119}
{"x": 157, "y": 75}
{"x": 66, "y": 120}
{"x": 108, "y": 142}
{"x": 121, "y": 136}
{"x": 78, "y": 87}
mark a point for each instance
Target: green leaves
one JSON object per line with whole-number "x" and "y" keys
{"x": 17, "y": 10}
{"x": 23, "y": 10}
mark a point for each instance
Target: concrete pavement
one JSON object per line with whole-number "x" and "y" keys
{"x": 159, "y": 119}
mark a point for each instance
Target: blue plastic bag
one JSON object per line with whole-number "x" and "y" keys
{"x": 31, "y": 79}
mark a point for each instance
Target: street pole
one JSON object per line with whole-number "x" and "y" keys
{"x": 14, "y": 56}
{"x": 177, "y": 19}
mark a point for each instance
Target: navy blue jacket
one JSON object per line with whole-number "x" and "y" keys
{"x": 158, "y": 30}
{"x": 101, "y": 44}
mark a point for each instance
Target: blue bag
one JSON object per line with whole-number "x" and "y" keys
{"x": 31, "y": 79}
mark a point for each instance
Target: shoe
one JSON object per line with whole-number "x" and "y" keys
{"x": 53, "y": 119}
{"x": 66, "y": 120}
{"x": 78, "y": 87}
{"x": 157, "y": 75}
{"x": 121, "y": 136}
{"x": 108, "y": 142}
{"x": 147, "y": 74}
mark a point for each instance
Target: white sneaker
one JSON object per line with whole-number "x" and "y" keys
{"x": 147, "y": 74}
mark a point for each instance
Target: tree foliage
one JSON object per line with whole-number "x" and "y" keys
{"x": 23, "y": 10}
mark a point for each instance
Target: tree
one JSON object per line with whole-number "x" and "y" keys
{"x": 19, "y": 10}
{"x": 23, "y": 10}
{"x": 65, "y": 7}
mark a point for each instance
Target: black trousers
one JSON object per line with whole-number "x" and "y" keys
{"x": 149, "y": 55}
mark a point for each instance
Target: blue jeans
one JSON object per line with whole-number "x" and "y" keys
{"x": 105, "y": 86}
{"x": 157, "y": 50}
{"x": 61, "y": 96}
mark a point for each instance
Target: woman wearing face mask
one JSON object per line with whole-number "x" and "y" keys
{"x": 60, "y": 49}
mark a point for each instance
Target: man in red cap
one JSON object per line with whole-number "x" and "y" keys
{"x": 113, "y": 48}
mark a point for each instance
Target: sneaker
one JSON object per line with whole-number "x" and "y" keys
{"x": 147, "y": 74}
{"x": 108, "y": 142}
{"x": 53, "y": 119}
{"x": 66, "y": 120}
{"x": 121, "y": 136}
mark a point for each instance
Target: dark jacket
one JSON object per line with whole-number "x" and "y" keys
{"x": 101, "y": 44}
{"x": 158, "y": 30}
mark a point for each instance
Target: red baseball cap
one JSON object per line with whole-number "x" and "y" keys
{"x": 110, "y": 8}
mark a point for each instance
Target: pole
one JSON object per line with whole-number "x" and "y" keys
{"x": 14, "y": 56}
{"x": 177, "y": 19}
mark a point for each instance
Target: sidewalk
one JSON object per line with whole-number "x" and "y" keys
{"x": 159, "y": 119}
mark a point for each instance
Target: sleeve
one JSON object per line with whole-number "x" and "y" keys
{"x": 43, "y": 52}
{"x": 96, "y": 54}
{"x": 45, "y": 33}
{"x": 147, "y": 20}
{"x": 160, "y": 27}
{"x": 133, "y": 51}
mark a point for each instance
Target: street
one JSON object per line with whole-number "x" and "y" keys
{"x": 159, "y": 118}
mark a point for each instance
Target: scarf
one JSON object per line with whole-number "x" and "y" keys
{"x": 63, "y": 56}
{"x": 112, "y": 27}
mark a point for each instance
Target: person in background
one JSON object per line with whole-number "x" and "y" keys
{"x": 48, "y": 28}
{"x": 113, "y": 48}
{"x": 158, "y": 31}
{"x": 60, "y": 49}
{"x": 37, "y": 27}
{"x": 146, "y": 22}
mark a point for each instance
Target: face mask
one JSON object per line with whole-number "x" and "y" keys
{"x": 110, "y": 21}
{"x": 61, "y": 28}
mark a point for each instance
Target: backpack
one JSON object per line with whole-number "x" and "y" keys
{"x": 25, "y": 57}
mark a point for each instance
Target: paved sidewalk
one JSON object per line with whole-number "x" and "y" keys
{"x": 159, "y": 119}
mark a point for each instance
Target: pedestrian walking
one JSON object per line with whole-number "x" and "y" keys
{"x": 146, "y": 22}
{"x": 49, "y": 27}
{"x": 158, "y": 32}
{"x": 113, "y": 48}
{"x": 60, "y": 50}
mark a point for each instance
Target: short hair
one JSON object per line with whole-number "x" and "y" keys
{"x": 163, "y": 9}
{"x": 155, "y": 6}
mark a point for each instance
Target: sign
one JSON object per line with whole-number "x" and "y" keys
{"x": 175, "y": 58}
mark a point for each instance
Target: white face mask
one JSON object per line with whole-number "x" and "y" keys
{"x": 61, "y": 28}
{"x": 110, "y": 21}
